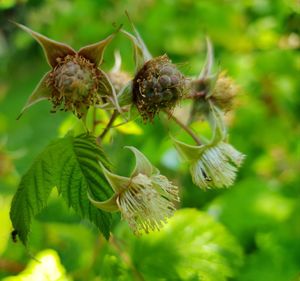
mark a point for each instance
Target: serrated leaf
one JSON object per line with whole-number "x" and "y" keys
{"x": 70, "y": 164}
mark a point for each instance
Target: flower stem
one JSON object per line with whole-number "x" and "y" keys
{"x": 108, "y": 126}
{"x": 184, "y": 127}
{"x": 126, "y": 258}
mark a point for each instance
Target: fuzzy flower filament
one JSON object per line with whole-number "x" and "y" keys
{"x": 145, "y": 199}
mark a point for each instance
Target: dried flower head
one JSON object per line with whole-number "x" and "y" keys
{"x": 145, "y": 199}
{"x": 158, "y": 85}
{"x": 75, "y": 81}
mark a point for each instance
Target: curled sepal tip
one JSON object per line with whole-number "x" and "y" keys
{"x": 107, "y": 90}
{"x": 41, "y": 92}
{"x": 94, "y": 52}
{"x": 109, "y": 205}
{"x": 217, "y": 122}
{"x": 188, "y": 152}
{"x": 142, "y": 164}
{"x": 207, "y": 69}
{"x": 52, "y": 49}
{"x": 141, "y": 52}
{"x": 118, "y": 183}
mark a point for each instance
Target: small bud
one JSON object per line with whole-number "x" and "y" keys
{"x": 145, "y": 199}
{"x": 208, "y": 87}
{"x": 224, "y": 92}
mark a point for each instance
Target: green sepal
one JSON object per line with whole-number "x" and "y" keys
{"x": 141, "y": 52}
{"x": 95, "y": 52}
{"x": 142, "y": 164}
{"x": 41, "y": 92}
{"x": 52, "y": 49}
{"x": 189, "y": 152}
{"x": 117, "y": 183}
{"x": 109, "y": 205}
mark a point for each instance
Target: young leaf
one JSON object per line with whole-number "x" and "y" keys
{"x": 70, "y": 164}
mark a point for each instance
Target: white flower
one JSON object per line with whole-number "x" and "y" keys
{"x": 214, "y": 164}
{"x": 145, "y": 200}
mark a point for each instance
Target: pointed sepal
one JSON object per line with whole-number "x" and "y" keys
{"x": 109, "y": 205}
{"x": 118, "y": 183}
{"x": 107, "y": 90}
{"x": 53, "y": 50}
{"x": 124, "y": 98}
{"x": 141, "y": 52}
{"x": 95, "y": 52}
{"x": 217, "y": 123}
{"x": 189, "y": 152}
{"x": 142, "y": 164}
{"x": 41, "y": 92}
{"x": 207, "y": 69}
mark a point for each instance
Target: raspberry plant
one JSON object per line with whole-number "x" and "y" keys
{"x": 77, "y": 165}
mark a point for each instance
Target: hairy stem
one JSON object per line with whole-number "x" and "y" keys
{"x": 184, "y": 127}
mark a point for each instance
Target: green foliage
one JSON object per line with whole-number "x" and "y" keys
{"x": 71, "y": 165}
{"x": 257, "y": 42}
{"x": 192, "y": 246}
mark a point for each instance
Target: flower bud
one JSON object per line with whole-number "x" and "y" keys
{"x": 224, "y": 92}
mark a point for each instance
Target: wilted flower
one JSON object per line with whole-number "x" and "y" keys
{"x": 145, "y": 199}
{"x": 208, "y": 87}
{"x": 213, "y": 164}
{"x": 157, "y": 85}
{"x": 75, "y": 81}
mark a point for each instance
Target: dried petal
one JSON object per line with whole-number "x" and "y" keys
{"x": 53, "y": 50}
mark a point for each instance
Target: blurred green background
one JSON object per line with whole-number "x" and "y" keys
{"x": 248, "y": 232}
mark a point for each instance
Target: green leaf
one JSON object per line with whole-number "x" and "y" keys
{"x": 70, "y": 164}
{"x": 191, "y": 246}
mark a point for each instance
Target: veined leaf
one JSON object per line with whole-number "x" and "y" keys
{"x": 70, "y": 164}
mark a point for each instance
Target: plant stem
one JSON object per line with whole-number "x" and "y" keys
{"x": 184, "y": 127}
{"x": 108, "y": 126}
{"x": 126, "y": 258}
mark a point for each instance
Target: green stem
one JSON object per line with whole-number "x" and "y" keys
{"x": 108, "y": 126}
{"x": 126, "y": 258}
{"x": 184, "y": 127}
